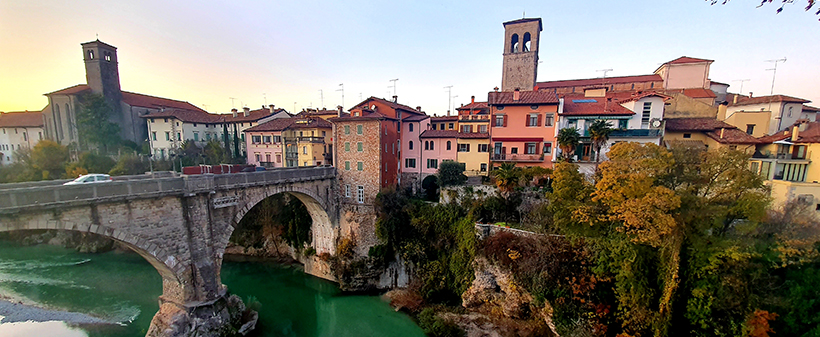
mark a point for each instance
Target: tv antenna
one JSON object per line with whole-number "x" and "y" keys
{"x": 449, "y": 97}
{"x": 322, "y": 98}
{"x": 741, "y": 84}
{"x": 342, "y": 89}
{"x": 394, "y": 85}
{"x": 774, "y": 71}
{"x": 232, "y": 99}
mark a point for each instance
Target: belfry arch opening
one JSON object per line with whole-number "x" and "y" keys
{"x": 514, "y": 43}
{"x": 527, "y": 42}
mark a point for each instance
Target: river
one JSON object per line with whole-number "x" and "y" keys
{"x": 123, "y": 288}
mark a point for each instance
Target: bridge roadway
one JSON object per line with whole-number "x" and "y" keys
{"x": 180, "y": 224}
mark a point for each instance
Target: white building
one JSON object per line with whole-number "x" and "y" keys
{"x": 19, "y": 130}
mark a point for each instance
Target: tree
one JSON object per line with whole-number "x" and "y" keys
{"x": 93, "y": 125}
{"x": 506, "y": 177}
{"x": 568, "y": 139}
{"x": 451, "y": 173}
{"x": 214, "y": 152}
{"x": 49, "y": 158}
{"x": 599, "y": 131}
{"x": 810, "y": 4}
{"x": 129, "y": 164}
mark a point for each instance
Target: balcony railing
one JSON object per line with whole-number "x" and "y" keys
{"x": 474, "y": 118}
{"x": 520, "y": 158}
{"x": 783, "y": 156}
{"x": 267, "y": 164}
{"x": 627, "y": 133}
{"x": 306, "y": 139}
{"x": 292, "y": 155}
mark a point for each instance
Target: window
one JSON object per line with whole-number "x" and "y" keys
{"x": 433, "y": 126}
{"x": 532, "y": 120}
{"x": 347, "y": 129}
{"x": 278, "y": 158}
{"x": 483, "y": 167}
{"x": 360, "y": 166}
{"x": 498, "y": 148}
{"x": 530, "y": 148}
{"x": 514, "y": 43}
{"x": 466, "y": 128}
{"x": 622, "y": 123}
{"x": 196, "y": 136}
{"x": 179, "y": 136}
{"x": 324, "y": 134}
{"x": 167, "y": 135}
{"x": 194, "y": 124}
{"x": 432, "y": 145}
{"x": 547, "y": 148}
{"x": 410, "y": 144}
{"x": 442, "y": 126}
{"x": 500, "y": 121}
{"x": 432, "y": 163}
{"x": 277, "y": 139}
{"x": 449, "y": 145}
{"x": 347, "y": 146}
{"x": 750, "y": 128}
{"x": 347, "y": 191}
{"x": 790, "y": 111}
{"x": 267, "y": 157}
{"x": 450, "y": 126}
{"x": 647, "y": 108}
{"x": 90, "y": 54}
{"x": 265, "y": 139}
{"x": 347, "y": 165}
{"x": 500, "y": 107}
{"x": 359, "y": 129}
{"x": 533, "y": 107}
{"x": 258, "y": 157}
{"x": 463, "y": 147}
{"x": 426, "y": 145}
{"x": 483, "y": 147}
{"x": 166, "y": 120}
{"x": 361, "y": 193}
{"x": 304, "y": 149}
{"x": 410, "y": 162}
{"x": 411, "y": 127}
{"x": 687, "y": 135}
{"x": 548, "y": 119}
{"x": 152, "y": 120}
{"x": 482, "y": 128}
{"x": 207, "y": 136}
{"x": 360, "y": 146}
{"x": 154, "y": 135}
{"x": 514, "y": 150}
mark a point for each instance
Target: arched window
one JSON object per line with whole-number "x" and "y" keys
{"x": 448, "y": 145}
{"x": 90, "y": 54}
{"x": 411, "y": 130}
{"x": 426, "y": 145}
{"x": 514, "y": 44}
{"x": 527, "y": 42}
{"x": 410, "y": 144}
{"x": 432, "y": 145}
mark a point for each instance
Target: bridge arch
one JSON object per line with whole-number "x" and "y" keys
{"x": 322, "y": 233}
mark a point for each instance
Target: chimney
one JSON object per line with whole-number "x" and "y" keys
{"x": 418, "y": 108}
{"x": 395, "y": 99}
{"x": 734, "y": 99}
{"x": 272, "y": 108}
{"x": 472, "y": 99}
{"x": 804, "y": 124}
{"x": 795, "y": 133}
{"x": 246, "y": 111}
{"x": 750, "y": 94}
{"x": 495, "y": 89}
{"x": 722, "y": 130}
{"x": 339, "y": 109}
{"x": 721, "y": 113}
{"x": 516, "y": 95}
{"x": 233, "y": 111}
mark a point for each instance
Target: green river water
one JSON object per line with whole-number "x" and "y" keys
{"x": 122, "y": 287}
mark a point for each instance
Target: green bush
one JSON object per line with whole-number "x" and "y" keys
{"x": 434, "y": 326}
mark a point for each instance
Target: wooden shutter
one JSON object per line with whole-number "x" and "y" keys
{"x": 505, "y": 120}
{"x": 537, "y": 145}
{"x": 539, "y": 121}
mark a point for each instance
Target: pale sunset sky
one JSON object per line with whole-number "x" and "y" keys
{"x": 285, "y": 52}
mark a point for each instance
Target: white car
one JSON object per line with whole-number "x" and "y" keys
{"x": 90, "y": 179}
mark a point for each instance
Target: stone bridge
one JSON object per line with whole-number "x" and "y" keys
{"x": 181, "y": 225}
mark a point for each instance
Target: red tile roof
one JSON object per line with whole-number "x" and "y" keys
{"x": 695, "y": 92}
{"x": 453, "y": 134}
{"x": 810, "y": 135}
{"x": 443, "y": 118}
{"x": 253, "y": 115}
{"x": 526, "y": 98}
{"x": 474, "y": 106}
{"x": 695, "y": 124}
{"x": 391, "y": 104}
{"x": 473, "y": 135}
{"x": 415, "y": 118}
{"x": 153, "y": 102}
{"x": 598, "y": 81}
{"x": 70, "y": 90}
{"x": 525, "y": 20}
{"x": 189, "y": 116}
{"x": 310, "y": 123}
{"x": 744, "y": 100}
{"x": 687, "y": 59}
{"x": 808, "y": 108}
{"x": 732, "y": 136}
{"x": 580, "y": 105}
{"x": 21, "y": 119}
{"x": 278, "y": 124}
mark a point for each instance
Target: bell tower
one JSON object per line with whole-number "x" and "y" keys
{"x": 520, "y": 54}
{"x": 102, "y": 72}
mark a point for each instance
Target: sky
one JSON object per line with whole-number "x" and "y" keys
{"x": 296, "y": 54}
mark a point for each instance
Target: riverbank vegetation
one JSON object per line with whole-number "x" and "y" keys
{"x": 658, "y": 242}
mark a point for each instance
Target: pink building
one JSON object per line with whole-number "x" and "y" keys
{"x": 437, "y": 146}
{"x": 411, "y": 148}
{"x": 265, "y": 143}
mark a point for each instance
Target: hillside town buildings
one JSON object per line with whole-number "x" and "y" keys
{"x": 19, "y": 130}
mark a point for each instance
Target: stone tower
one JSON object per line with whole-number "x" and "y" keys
{"x": 520, "y": 54}
{"x": 101, "y": 71}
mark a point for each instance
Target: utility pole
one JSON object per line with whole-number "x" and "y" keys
{"x": 342, "y": 89}
{"x": 322, "y": 97}
{"x": 394, "y": 85}
{"x": 741, "y": 84}
{"x": 449, "y": 97}
{"x": 771, "y": 93}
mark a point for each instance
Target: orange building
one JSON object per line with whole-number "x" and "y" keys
{"x": 522, "y": 127}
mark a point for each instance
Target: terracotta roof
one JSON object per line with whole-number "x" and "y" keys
{"x": 744, "y": 100}
{"x": 695, "y": 124}
{"x": 716, "y": 82}
{"x": 153, "y": 102}
{"x": 525, "y": 20}
{"x": 732, "y": 136}
{"x": 453, "y": 134}
{"x": 277, "y": 124}
{"x": 474, "y": 106}
{"x": 685, "y": 142}
{"x": 598, "y": 81}
{"x": 443, "y": 118}
{"x": 580, "y": 105}
{"x": 695, "y": 92}
{"x": 389, "y": 103}
{"x": 809, "y": 108}
{"x": 810, "y": 135}
{"x": 687, "y": 59}
{"x": 415, "y": 118}
{"x": 309, "y": 123}
{"x": 253, "y": 115}
{"x": 367, "y": 115}
{"x": 21, "y": 119}
{"x": 635, "y": 95}
{"x": 526, "y": 98}
{"x": 190, "y": 116}
{"x": 70, "y": 90}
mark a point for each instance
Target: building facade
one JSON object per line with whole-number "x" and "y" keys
{"x": 19, "y": 130}
{"x": 522, "y": 127}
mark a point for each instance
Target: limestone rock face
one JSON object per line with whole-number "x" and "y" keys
{"x": 225, "y": 317}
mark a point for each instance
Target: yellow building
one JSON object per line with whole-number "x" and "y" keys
{"x": 308, "y": 142}
{"x": 473, "y": 150}
{"x": 709, "y": 133}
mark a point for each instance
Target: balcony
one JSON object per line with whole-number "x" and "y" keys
{"x": 636, "y": 133}
{"x": 306, "y": 139}
{"x": 519, "y": 158}
{"x": 479, "y": 118}
{"x": 292, "y": 155}
{"x": 783, "y": 156}
{"x": 267, "y": 164}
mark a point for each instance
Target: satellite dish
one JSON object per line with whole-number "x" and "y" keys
{"x": 655, "y": 123}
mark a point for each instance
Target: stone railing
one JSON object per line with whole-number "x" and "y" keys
{"x": 15, "y": 199}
